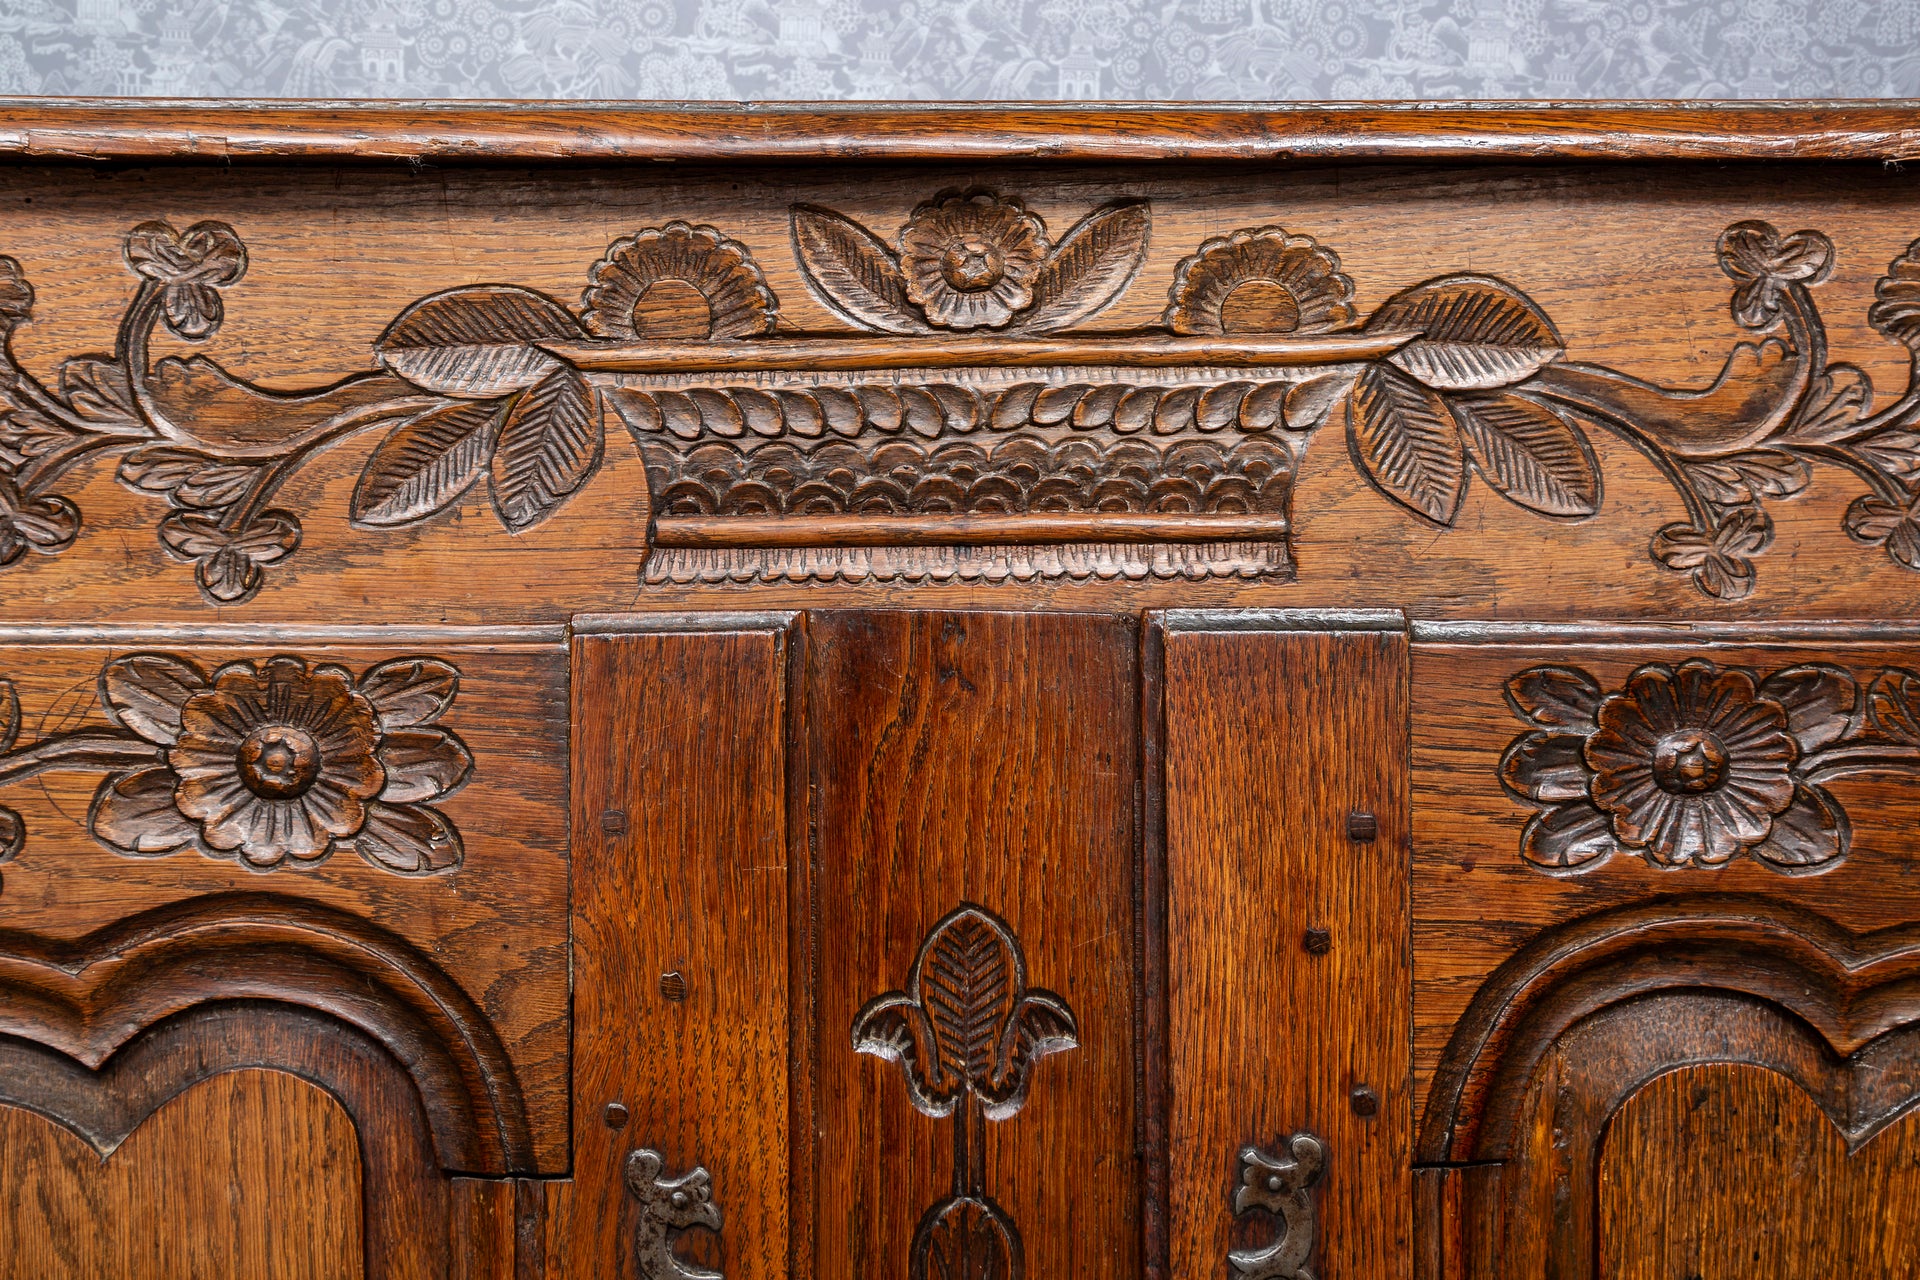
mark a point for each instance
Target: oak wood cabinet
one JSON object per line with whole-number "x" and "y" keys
{"x": 959, "y": 693}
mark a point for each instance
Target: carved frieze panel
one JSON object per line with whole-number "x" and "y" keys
{"x": 969, "y": 424}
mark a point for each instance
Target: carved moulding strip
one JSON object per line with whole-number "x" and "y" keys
{"x": 92, "y": 998}
{"x": 668, "y": 1207}
{"x": 966, "y": 1034}
{"x": 1282, "y": 1186}
{"x": 1696, "y": 764}
{"x": 271, "y": 762}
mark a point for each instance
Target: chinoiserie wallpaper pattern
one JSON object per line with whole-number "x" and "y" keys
{"x": 963, "y": 49}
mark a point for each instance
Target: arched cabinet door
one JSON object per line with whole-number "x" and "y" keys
{"x": 988, "y": 944}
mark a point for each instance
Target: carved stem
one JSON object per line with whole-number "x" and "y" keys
{"x": 94, "y": 750}
{"x": 1885, "y": 487}
{"x": 272, "y": 476}
{"x": 969, "y": 1148}
{"x": 1860, "y": 757}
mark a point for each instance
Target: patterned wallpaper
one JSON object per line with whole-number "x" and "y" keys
{"x": 963, "y": 49}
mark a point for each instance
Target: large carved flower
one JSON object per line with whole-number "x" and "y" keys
{"x": 970, "y": 259}
{"x": 274, "y": 760}
{"x": 1260, "y": 280}
{"x": 192, "y": 267}
{"x": 1693, "y": 764}
{"x": 677, "y": 281}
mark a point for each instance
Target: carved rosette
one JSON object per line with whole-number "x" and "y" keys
{"x": 1699, "y": 764}
{"x": 275, "y": 762}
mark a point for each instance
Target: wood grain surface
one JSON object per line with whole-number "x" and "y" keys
{"x": 253, "y": 1173}
{"x": 680, "y": 933}
{"x": 1754, "y": 1181}
{"x": 987, "y": 759}
{"x": 1273, "y": 739}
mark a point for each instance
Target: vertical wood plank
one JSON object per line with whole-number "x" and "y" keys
{"x": 680, "y": 936}
{"x": 1272, "y": 739}
{"x": 987, "y": 759}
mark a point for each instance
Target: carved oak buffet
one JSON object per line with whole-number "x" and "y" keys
{"x": 959, "y": 693}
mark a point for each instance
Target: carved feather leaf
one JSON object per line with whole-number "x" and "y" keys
{"x": 426, "y": 463}
{"x": 853, "y": 272}
{"x": 1530, "y": 454}
{"x": 1405, "y": 440}
{"x": 1089, "y": 267}
{"x": 477, "y": 342}
{"x": 969, "y": 986}
{"x": 1476, "y": 333}
{"x": 408, "y": 839}
{"x": 550, "y": 445}
{"x": 97, "y": 390}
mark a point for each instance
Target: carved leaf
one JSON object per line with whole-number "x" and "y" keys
{"x": 1819, "y": 701}
{"x": 13, "y": 834}
{"x": 1555, "y": 697}
{"x": 1746, "y": 477}
{"x": 1405, "y": 440}
{"x": 191, "y": 478}
{"x": 1896, "y": 451}
{"x": 853, "y": 271}
{"x": 1812, "y": 832}
{"x": 410, "y": 839}
{"x": 477, "y": 342}
{"x": 135, "y": 813}
{"x": 550, "y": 445}
{"x": 1896, "y": 310}
{"x": 426, "y": 463}
{"x": 1530, "y": 454}
{"x": 410, "y": 691}
{"x": 1835, "y": 401}
{"x": 144, "y": 692}
{"x": 1089, "y": 267}
{"x": 968, "y": 987}
{"x": 1567, "y": 837}
{"x": 1546, "y": 767}
{"x": 9, "y": 715}
{"x": 422, "y": 764}
{"x": 1893, "y": 704}
{"x": 97, "y": 390}
{"x": 1477, "y": 333}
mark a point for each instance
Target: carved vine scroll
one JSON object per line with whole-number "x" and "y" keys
{"x": 276, "y": 762}
{"x": 1283, "y": 1187}
{"x": 962, "y": 428}
{"x": 966, "y": 1033}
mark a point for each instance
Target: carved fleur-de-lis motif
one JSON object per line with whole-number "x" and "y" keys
{"x": 967, "y": 1023}
{"x": 966, "y": 1033}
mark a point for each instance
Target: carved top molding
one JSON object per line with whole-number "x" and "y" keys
{"x": 199, "y": 130}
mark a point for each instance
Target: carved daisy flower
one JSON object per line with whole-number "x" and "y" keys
{"x": 274, "y": 760}
{"x": 1260, "y": 280}
{"x": 970, "y": 259}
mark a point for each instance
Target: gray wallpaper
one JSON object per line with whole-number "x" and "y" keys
{"x": 965, "y": 49}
